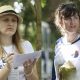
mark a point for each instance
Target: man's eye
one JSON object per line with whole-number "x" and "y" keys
{"x": 67, "y": 18}
{"x": 76, "y": 17}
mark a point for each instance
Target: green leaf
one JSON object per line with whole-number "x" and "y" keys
{"x": 43, "y": 3}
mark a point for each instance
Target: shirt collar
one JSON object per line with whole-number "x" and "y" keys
{"x": 64, "y": 39}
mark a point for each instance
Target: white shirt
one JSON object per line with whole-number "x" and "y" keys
{"x": 65, "y": 51}
{"x": 27, "y": 48}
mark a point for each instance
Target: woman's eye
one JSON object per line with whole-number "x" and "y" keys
{"x": 6, "y": 20}
{"x": 14, "y": 20}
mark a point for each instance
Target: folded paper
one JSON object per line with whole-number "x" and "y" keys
{"x": 19, "y": 59}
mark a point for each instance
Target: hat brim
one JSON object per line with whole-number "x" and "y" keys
{"x": 20, "y": 20}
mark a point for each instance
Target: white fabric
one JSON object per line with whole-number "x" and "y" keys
{"x": 27, "y": 48}
{"x": 65, "y": 51}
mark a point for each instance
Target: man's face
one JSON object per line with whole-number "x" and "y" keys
{"x": 71, "y": 24}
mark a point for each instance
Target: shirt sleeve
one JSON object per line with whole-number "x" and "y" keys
{"x": 27, "y": 47}
{"x": 58, "y": 59}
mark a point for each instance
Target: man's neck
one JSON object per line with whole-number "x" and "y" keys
{"x": 71, "y": 37}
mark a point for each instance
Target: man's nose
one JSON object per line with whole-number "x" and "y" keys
{"x": 71, "y": 20}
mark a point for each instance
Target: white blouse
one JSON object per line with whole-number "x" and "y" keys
{"x": 27, "y": 48}
{"x": 65, "y": 51}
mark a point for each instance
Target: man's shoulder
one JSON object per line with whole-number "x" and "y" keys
{"x": 59, "y": 41}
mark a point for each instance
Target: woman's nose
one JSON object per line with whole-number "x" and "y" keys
{"x": 10, "y": 22}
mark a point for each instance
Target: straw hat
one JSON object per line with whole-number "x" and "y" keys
{"x": 8, "y": 9}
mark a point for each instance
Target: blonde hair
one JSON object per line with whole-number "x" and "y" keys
{"x": 16, "y": 39}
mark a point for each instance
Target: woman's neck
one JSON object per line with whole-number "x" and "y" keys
{"x": 5, "y": 40}
{"x": 71, "y": 37}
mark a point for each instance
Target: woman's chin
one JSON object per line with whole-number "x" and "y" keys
{"x": 9, "y": 34}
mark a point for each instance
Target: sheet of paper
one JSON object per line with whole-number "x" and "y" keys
{"x": 19, "y": 59}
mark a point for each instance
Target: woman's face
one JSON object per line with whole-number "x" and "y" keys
{"x": 71, "y": 24}
{"x": 8, "y": 25}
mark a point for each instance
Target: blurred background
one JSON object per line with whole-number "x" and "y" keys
{"x": 38, "y": 27}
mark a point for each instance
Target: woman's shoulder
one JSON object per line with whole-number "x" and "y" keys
{"x": 25, "y": 42}
{"x": 27, "y": 46}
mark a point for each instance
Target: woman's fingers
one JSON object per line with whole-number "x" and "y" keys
{"x": 29, "y": 63}
{"x": 9, "y": 59}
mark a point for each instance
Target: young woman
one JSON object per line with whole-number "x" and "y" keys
{"x": 67, "y": 49}
{"x": 10, "y": 44}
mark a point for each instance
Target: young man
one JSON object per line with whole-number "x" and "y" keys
{"x": 67, "y": 49}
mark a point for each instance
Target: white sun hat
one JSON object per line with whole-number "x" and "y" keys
{"x": 8, "y": 9}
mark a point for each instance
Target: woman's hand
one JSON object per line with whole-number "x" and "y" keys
{"x": 7, "y": 67}
{"x": 9, "y": 60}
{"x": 28, "y": 66}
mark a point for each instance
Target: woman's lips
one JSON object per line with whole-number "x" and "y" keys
{"x": 10, "y": 29}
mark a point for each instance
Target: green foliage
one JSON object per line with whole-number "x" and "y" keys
{"x": 43, "y": 3}
{"x": 28, "y": 12}
{"x": 29, "y": 18}
{"x": 28, "y": 15}
{"x": 2, "y": 2}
